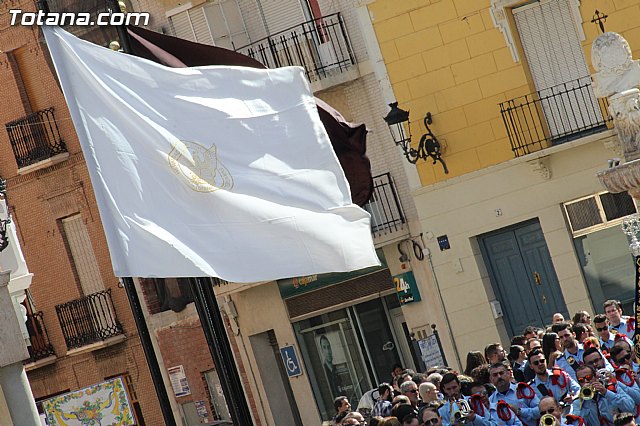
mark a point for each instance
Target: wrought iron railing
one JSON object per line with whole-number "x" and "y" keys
{"x": 384, "y": 206}
{"x": 40, "y": 347}
{"x": 553, "y": 116}
{"x": 35, "y": 137}
{"x": 88, "y": 320}
{"x": 320, "y": 45}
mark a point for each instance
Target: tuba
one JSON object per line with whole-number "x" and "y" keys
{"x": 548, "y": 420}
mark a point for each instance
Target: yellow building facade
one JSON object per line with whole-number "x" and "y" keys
{"x": 450, "y": 57}
{"x": 508, "y": 85}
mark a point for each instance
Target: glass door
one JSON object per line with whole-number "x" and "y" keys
{"x": 379, "y": 341}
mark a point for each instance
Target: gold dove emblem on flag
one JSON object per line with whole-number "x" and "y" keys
{"x": 199, "y": 167}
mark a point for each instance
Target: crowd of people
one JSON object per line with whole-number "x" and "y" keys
{"x": 581, "y": 372}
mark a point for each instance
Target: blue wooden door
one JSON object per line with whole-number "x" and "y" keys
{"x": 522, "y": 276}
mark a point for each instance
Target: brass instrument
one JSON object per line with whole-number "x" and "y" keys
{"x": 548, "y": 420}
{"x": 587, "y": 393}
{"x": 460, "y": 412}
{"x": 604, "y": 376}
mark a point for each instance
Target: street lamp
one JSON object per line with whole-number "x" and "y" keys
{"x": 428, "y": 147}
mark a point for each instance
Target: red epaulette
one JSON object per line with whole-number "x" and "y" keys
{"x": 475, "y": 401}
{"x": 559, "y": 377}
{"x": 620, "y": 336}
{"x": 572, "y": 419}
{"x": 525, "y": 391}
{"x": 504, "y": 410}
{"x": 624, "y": 376}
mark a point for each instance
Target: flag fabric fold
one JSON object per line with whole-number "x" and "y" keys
{"x": 209, "y": 171}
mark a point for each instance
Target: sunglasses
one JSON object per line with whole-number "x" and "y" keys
{"x": 549, "y": 411}
{"x": 413, "y": 391}
{"x": 538, "y": 362}
{"x": 586, "y": 378}
{"x": 432, "y": 421}
{"x": 599, "y": 329}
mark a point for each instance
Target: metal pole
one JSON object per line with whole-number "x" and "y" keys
{"x": 214, "y": 330}
{"x": 121, "y": 29}
{"x": 149, "y": 353}
{"x": 435, "y": 333}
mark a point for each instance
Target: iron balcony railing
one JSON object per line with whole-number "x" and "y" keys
{"x": 40, "y": 347}
{"x": 553, "y": 116}
{"x": 384, "y": 207}
{"x": 88, "y": 320}
{"x": 320, "y": 45}
{"x": 35, "y": 137}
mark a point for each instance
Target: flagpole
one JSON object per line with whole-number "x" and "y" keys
{"x": 149, "y": 352}
{"x": 213, "y": 326}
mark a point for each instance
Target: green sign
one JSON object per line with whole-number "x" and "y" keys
{"x": 290, "y": 287}
{"x": 406, "y": 288}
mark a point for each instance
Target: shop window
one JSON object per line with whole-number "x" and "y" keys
{"x": 602, "y": 248}
{"x": 348, "y": 352}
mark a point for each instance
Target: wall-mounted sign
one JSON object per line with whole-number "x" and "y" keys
{"x": 406, "y": 288}
{"x": 430, "y": 351}
{"x": 290, "y": 360}
{"x": 290, "y": 287}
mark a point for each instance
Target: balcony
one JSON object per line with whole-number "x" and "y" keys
{"x": 35, "y": 138}
{"x": 40, "y": 351}
{"x": 387, "y": 216}
{"x": 320, "y": 45}
{"x": 89, "y": 321}
{"x": 553, "y": 116}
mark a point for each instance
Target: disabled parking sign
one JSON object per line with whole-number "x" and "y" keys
{"x": 290, "y": 360}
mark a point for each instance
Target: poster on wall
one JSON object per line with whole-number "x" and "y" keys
{"x": 335, "y": 362}
{"x": 104, "y": 403}
{"x": 179, "y": 381}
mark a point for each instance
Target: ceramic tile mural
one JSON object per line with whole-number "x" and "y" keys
{"x": 102, "y": 404}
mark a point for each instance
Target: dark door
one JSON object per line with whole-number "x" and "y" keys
{"x": 522, "y": 276}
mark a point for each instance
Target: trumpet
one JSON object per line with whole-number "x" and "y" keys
{"x": 462, "y": 410}
{"x": 586, "y": 393}
{"x": 604, "y": 376}
{"x": 548, "y": 420}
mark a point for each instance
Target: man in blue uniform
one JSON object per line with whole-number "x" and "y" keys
{"x": 521, "y": 397}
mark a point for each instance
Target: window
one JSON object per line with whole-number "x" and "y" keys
{"x": 133, "y": 396}
{"x": 163, "y": 294}
{"x": 349, "y": 351}
{"x": 602, "y": 248}
{"x": 82, "y": 255}
{"x": 218, "y": 24}
{"x": 553, "y": 49}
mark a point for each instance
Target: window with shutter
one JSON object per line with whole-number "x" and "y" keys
{"x": 82, "y": 254}
{"x": 553, "y": 50}
{"x": 218, "y": 24}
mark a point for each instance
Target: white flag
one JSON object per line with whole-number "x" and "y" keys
{"x": 209, "y": 171}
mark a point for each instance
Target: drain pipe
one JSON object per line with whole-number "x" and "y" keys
{"x": 444, "y": 311}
